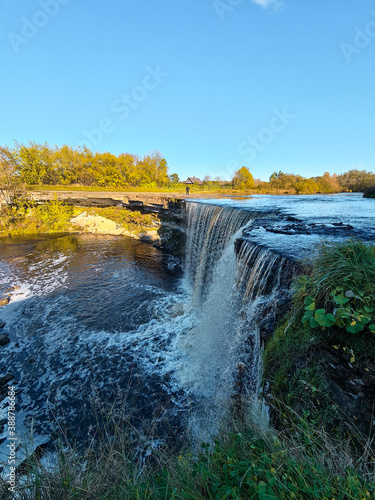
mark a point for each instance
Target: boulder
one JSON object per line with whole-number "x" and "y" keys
{"x": 4, "y": 340}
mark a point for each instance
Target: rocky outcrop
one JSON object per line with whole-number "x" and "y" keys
{"x": 96, "y": 224}
{"x": 172, "y": 239}
{"x": 160, "y": 203}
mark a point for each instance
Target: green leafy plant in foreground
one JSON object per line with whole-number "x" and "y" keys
{"x": 339, "y": 289}
{"x": 349, "y": 311}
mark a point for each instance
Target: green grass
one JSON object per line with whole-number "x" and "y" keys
{"x": 246, "y": 462}
{"x": 338, "y": 284}
{"x": 350, "y": 265}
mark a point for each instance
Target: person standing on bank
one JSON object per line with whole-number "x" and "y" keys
{"x": 187, "y": 190}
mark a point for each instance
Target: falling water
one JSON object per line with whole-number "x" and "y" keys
{"x": 239, "y": 289}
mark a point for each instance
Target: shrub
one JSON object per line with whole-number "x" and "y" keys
{"x": 369, "y": 192}
{"x": 54, "y": 216}
{"x": 338, "y": 290}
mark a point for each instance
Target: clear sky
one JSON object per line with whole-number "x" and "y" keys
{"x": 212, "y": 84}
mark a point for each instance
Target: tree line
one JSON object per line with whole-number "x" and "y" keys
{"x": 280, "y": 182}
{"x": 40, "y": 164}
{"x": 37, "y": 164}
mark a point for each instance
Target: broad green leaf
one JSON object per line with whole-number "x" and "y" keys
{"x": 339, "y": 322}
{"x": 308, "y": 300}
{"x": 341, "y": 299}
{"x": 320, "y": 312}
{"x": 307, "y": 316}
{"x": 313, "y": 323}
{"x": 325, "y": 319}
{"x": 311, "y": 307}
{"x": 355, "y": 327}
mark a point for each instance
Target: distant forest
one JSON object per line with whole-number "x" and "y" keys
{"x": 40, "y": 164}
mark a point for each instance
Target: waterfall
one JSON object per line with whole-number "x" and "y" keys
{"x": 210, "y": 229}
{"x": 239, "y": 289}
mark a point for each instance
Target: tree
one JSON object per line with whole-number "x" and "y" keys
{"x": 174, "y": 178}
{"x": 356, "y": 180}
{"x": 11, "y": 186}
{"x": 243, "y": 179}
{"x": 155, "y": 168}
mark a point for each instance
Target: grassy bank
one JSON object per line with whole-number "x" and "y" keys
{"x": 244, "y": 462}
{"x": 55, "y": 217}
{"x": 320, "y": 363}
{"x": 180, "y": 189}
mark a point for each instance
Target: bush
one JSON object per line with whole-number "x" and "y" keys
{"x": 54, "y": 216}
{"x": 337, "y": 293}
{"x": 369, "y": 192}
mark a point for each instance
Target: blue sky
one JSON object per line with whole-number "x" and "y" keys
{"x": 213, "y": 85}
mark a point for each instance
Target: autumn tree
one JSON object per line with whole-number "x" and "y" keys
{"x": 155, "y": 168}
{"x": 243, "y": 179}
{"x": 42, "y": 164}
{"x": 35, "y": 163}
{"x": 11, "y": 186}
{"x": 356, "y": 180}
{"x": 328, "y": 183}
{"x": 174, "y": 178}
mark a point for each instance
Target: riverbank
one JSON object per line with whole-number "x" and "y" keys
{"x": 245, "y": 462}
{"x": 56, "y": 216}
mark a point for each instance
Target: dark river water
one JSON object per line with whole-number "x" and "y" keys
{"x": 86, "y": 330}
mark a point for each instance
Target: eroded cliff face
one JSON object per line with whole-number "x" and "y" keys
{"x": 167, "y": 233}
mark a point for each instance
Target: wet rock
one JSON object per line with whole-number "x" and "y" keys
{"x": 4, "y": 385}
{"x": 351, "y": 387}
{"x": 5, "y": 301}
{"x": 4, "y": 339}
{"x": 173, "y": 239}
{"x": 150, "y": 237}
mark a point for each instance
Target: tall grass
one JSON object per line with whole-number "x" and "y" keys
{"x": 350, "y": 264}
{"x": 246, "y": 461}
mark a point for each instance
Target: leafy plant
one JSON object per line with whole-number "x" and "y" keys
{"x": 339, "y": 288}
{"x": 350, "y": 311}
